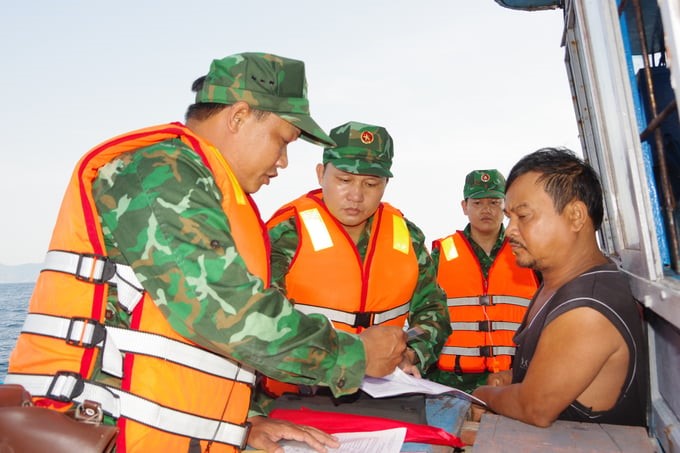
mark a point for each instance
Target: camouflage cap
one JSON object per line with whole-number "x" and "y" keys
{"x": 362, "y": 149}
{"x": 484, "y": 184}
{"x": 266, "y": 82}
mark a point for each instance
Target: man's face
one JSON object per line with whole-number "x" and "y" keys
{"x": 351, "y": 198}
{"x": 539, "y": 236}
{"x": 485, "y": 214}
{"x": 262, "y": 149}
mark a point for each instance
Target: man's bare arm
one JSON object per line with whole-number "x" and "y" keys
{"x": 580, "y": 355}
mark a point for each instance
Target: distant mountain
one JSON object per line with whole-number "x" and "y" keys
{"x": 21, "y": 273}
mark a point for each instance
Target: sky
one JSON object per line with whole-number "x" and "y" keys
{"x": 460, "y": 85}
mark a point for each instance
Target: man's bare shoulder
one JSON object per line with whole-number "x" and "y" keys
{"x": 581, "y": 325}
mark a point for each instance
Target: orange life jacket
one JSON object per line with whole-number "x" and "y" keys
{"x": 327, "y": 275}
{"x": 485, "y": 313}
{"x": 175, "y": 396}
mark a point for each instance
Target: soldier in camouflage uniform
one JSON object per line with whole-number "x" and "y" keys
{"x": 483, "y": 242}
{"x": 162, "y": 213}
{"x": 353, "y": 178}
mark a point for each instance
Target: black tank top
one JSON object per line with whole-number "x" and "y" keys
{"x": 605, "y": 289}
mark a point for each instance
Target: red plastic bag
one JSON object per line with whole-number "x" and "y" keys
{"x": 334, "y": 422}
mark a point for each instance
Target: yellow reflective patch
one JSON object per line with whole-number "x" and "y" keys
{"x": 449, "y": 249}
{"x": 315, "y": 226}
{"x": 400, "y": 234}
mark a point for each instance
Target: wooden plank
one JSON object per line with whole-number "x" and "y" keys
{"x": 501, "y": 434}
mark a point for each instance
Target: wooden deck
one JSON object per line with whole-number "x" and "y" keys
{"x": 500, "y": 434}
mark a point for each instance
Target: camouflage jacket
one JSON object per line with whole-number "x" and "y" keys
{"x": 160, "y": 211}
{"x": 427, "y": 309}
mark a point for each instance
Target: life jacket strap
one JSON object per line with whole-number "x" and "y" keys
{"x": 481, "y": 351}
{"x": 355, "y": 319}
{"x": 485, "y": 326}
{"x": 70, "y": 387}
{"x": 115, "y": 340}
{"x": 98, "y": 269}
{"x": 487, "y": 300}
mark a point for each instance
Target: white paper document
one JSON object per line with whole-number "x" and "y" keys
{"x": 399, "y": 383}
{"x": 387, "y": 441}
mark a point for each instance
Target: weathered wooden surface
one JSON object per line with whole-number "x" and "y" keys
{"x": 500, "y": 434}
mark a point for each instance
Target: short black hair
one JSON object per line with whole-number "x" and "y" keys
{"x": 565, "y": 177}
{"x": 202, "y": 110}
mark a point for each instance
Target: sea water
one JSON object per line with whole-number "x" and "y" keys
{"x": 14, "y": 304}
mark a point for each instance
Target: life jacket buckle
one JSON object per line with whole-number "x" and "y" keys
{"x": 485, "y": 326}
{"x": 97, "y": 335}
{"x": 485, "y": 300}
{"x": 107, "y": 273}
{"x": 485, "y": 351}
{"x": 362, "y": 319}
{"x": 89, "y": 412}
{"x": 65, "y": 386}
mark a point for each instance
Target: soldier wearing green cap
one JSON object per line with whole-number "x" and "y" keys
{"x": 158, "y": 233}
{"x": 487, "y": 292}
{"x": 341, "y": 252}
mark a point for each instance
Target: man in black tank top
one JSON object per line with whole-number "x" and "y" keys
{"x": 581, "y": 352}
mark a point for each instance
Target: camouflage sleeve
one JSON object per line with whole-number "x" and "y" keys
{"x": 428, "y": 305}
{"x": 160, "y": 208}
{"x": 435, "y": 257}
{"x": 284, "y": 240}
{"x": 260, "y": 403}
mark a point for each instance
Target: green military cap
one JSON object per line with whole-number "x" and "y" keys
{"x": 484, "y": 184}
{"x": 361, "y": 148}
{"x": 266, "y": 82}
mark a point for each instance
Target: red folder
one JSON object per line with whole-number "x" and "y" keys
{"x": 334, "y": 422}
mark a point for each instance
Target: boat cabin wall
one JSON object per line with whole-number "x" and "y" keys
{"x": 625, "y": 88}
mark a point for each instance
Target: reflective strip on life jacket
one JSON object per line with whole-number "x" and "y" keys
{"x": 318, "y": 233}
{"x": 483, "y": 351}
{"x": 449, "y": 249}
{"x": 487, "y": 300}
{"x": 118, "y": 403}
{"x": 364, "y": 319}
{"x": 98, "y": 269}
{"x": 90, "y": 333}
{"x": 483, "y": 326}
{"x": 401, "y": 238}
